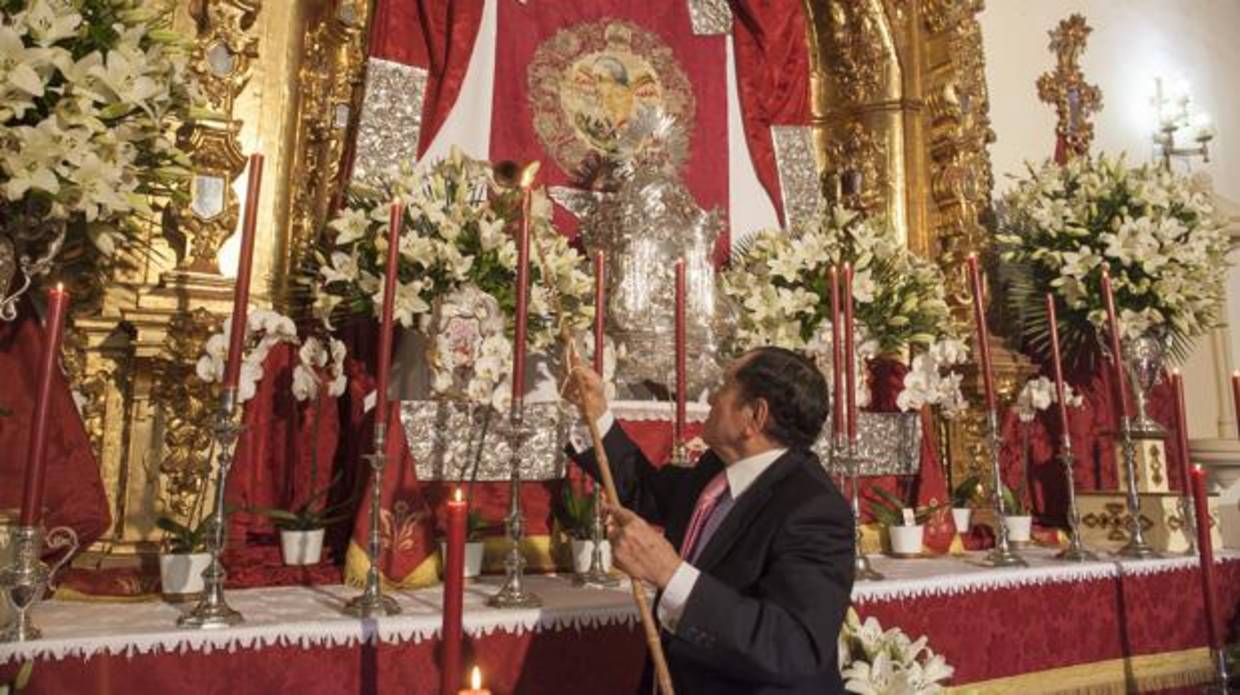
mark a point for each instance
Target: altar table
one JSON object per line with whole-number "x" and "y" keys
{"x": 1122, "y": 624}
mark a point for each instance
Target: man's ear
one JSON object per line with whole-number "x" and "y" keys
{"x": 761, "y": 413}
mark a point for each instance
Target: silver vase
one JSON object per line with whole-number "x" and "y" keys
{"x": 1143, "y": 359}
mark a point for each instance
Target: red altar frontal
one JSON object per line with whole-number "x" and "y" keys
{"x": 1108, "y": 626}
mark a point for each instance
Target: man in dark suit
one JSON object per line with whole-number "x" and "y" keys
{"x": 754, "y": 566}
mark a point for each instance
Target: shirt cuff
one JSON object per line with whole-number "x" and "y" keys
{"x": 676, "y": 595}
{"x": 579, "y": 437}
{"x": 604, "y": 422}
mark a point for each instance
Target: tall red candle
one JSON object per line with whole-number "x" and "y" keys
{"x": 36, "y": 456}
{"x": 681, "y": 377}
{"x": 1117, "y": 357}
{"x": 983, "y": 333}
{"x": 850, "y": 357}
{"x": 600, "y": 306}
{"x": 245, "y": 261}
{"x": 1060, "y": 390}
{"x": 1235, "y": 398}
{"x": 387, "y": 325}
{"x": 523, "y": 300}
{"x": 837, "y": 356}
{"x": 1206, "y": 554}
{"x": 1181, "y": 422}
{"x": 453, "y": 595}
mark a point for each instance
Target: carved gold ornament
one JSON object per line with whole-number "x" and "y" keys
{"x": 1065, "y": 88}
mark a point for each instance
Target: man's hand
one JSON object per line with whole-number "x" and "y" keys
{"x": 640, "y": 550}
{"x": 583, "y": 387}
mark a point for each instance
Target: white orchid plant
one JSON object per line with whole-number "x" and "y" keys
{"x": 1155, "y": 232}
{"x": 780, "y": 281}
{"x": 458, "y": 235}
{"x": 874, "y": 661}
{"x": 1038, "y": 394}
{"x": 90, "y": 94}
{"x": 320, "y": 363}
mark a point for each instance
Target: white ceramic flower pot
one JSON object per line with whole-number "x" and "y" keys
{"x": 181, "y": 575}
{"x": 583, "y": 551}
{"x": 302, "y": 547}
{"x": 961, "y": 516}
{"x": 473, "y": 557}
{"x": 1019, "y": 528}
{"x": 906, "y": 540}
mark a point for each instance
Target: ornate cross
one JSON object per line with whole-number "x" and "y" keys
{"x": 1074, "y": 99}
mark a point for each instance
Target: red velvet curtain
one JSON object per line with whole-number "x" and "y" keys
{"x": 74, "y": 494}
{"x": 772, "y": 76}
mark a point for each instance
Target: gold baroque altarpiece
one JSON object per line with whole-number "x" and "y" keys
{"x": 899, "y": 96}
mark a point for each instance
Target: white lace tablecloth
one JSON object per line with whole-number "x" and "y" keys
{"x": 310, "y": 616}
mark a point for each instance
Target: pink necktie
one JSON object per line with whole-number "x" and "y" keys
{"x": 706, "y": 504}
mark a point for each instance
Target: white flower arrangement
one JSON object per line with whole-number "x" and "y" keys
{"x": 1156, "y": 232}
{"x": 932, "y": 379}
{"x": 90, "y": 93}
{"x": 457, "y": 236}
{"x": 878, "y": 662}
{"x": 320, "y": 361}
{"x": 1038, "y": 394}
{"x": 780, "y": 281}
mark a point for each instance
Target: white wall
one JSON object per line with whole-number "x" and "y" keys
{"x": 1133, "y": 42}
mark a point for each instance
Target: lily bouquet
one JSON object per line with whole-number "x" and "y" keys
{"x": 874, "y": 661}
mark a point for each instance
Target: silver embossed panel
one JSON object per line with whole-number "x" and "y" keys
{"x": 710, "y": 17}
{"x": 893, "y": 439}
{"x": 798, "y": 175}
{"x": 390, "y": 122}
{"x": 443, "y": 439}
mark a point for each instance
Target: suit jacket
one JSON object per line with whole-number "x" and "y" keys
{"x": 776, "y": 577}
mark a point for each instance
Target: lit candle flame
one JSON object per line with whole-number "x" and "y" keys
{"x": 475, "y": 679}
{"x": 60, "y": 287}
{"x": 458, "y": 495}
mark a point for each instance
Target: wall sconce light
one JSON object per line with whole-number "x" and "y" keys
{"x": 1175, "y": 113}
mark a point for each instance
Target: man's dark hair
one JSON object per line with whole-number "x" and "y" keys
{"x": 794, "y": 390}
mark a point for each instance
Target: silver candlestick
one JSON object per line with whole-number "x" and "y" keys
{"x": 372, "y": 602}
{"x": 26, "y": 580}
{"x": 513, "y": 594}
{"x": 1223, "y": 685}
{"x": 850, "y": 455}
{"x": 1137, "y": 546}
{"x": 212, "y": 611}
{"x": 1076, "y": 550}
{"x": 1002, "y": 555}
{"x": 1187, "y": 513}
{"x": 597, "y": 574}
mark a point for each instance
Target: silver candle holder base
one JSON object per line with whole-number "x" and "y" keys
{"x": 212, "y": 611}
{"x": 1136, "y": 547}
{"x": 1222, "y": 684}
{"x": 1002, "y": 554}
{"x": 513, "y": 593}
{"x": 597, "y": 575}
{"x": 25, "y": 582}
{"x": 372, "y": 602}
{"x": 851, "y": 456}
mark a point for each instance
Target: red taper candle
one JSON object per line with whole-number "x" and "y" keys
{"x": 1117, "y": 358}
{"x": 983, "y": 333}
{"x": 1060, "y": 390}
{"x": 1235, "y": 398}
{"x": 523, "y": 299}
{"x": 1206, "y": 553}
{"x": 600, "y": 306}
{"x": 245, "y": 261}
{"x": 453, "y": 594}
{"x": 681, "y": 376}
{"x": 1181, "y": 422}
{"x": 837, "y": 357}
{"x": 850, "y": 357}
{"x": 36, "y": 456}
{"x": 387, "y": 325}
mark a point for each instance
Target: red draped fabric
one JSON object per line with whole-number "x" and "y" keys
{"x": 523, "y": 27}
{"x": 772, "y": 79}
{"x": 74, "y": 494}
{"x": 432, "y": 34}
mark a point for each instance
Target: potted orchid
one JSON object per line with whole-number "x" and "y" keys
{"x": 780, "y": 281}
{"x": 1156, "y": 233}
{"x": 183, "y": 555}
{"x": 965, "y": 495}
{"x": 1018, "y": 520}
{"x": 575, "y": 514}
{"x": 905, "y": 526}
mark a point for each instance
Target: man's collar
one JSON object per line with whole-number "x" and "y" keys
{"x": 742, "y": 473}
